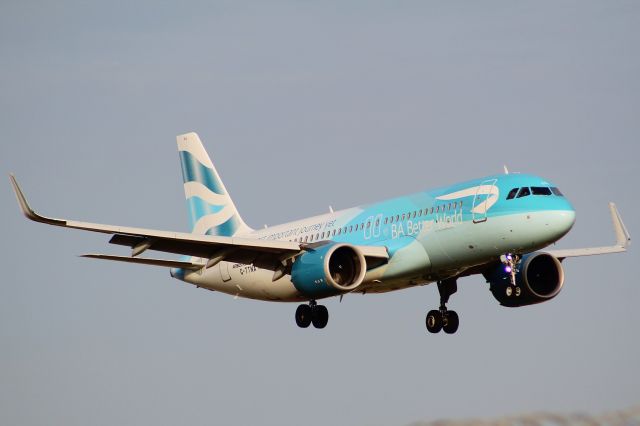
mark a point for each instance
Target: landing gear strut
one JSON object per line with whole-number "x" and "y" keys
{"x": 442, "y": 318}
{"x": 315, "y": 314}
{"x": 510, "y": 261}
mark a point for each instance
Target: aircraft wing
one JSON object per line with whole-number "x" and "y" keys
{"x": 211, "y": 249}
{"x": 623, "y": 239}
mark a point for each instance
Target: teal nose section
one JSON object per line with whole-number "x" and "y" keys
{"x": 562, "y": 222}
{"x": 560, "y": 218}
{"x": 563, "y": 218}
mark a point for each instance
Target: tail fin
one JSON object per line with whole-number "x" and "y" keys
{"x": 211, "y": 210}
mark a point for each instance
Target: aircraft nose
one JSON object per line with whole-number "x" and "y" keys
{"x": 565, "y": 220}
{"x": 561, "y": 222}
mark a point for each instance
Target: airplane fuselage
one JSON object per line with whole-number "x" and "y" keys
{"x": 429, "y": 236}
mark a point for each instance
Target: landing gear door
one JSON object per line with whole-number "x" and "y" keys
{"x": 485, "y": 197}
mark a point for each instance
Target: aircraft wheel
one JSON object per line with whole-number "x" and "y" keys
{"x": 451, "y": 323}
{"x": 434, "y": 321}
{"x": 320, "y": 316}
{"x": 303, "y": 316}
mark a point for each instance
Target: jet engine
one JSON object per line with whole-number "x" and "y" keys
{"x": 539, "y": 277}
{"x": 329, "y": 270}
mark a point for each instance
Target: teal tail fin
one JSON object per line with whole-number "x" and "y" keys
{"x": 211, "y": 210}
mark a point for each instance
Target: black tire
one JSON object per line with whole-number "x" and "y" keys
{"x": 451, "y": 323}
{"x": 303, "y": 316}
{"x": 434, "y": 321}
{"x": 320, "y": 316}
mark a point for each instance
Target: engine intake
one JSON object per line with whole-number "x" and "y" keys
{"x": 539, "y": 275}
{"x": 329, "y": 270}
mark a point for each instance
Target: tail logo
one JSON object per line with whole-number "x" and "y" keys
{"x": 211, "y": 210}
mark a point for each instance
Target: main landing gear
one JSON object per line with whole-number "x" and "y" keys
{"x": 442, "y": 318}
{"x": 315, "y": 314}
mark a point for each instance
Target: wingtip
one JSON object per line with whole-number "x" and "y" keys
{"x": 623, "y": 238}
{"x": 22, "y": 201}
{"x": 26, "y": 209}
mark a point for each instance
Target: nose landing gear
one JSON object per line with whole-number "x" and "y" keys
{"x": 315, "y": 314}
{"x": 442, "y": 318}
{"x": 510, "y": 261}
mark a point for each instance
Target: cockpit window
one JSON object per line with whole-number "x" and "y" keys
{"x": 512, "y": 193}
{"x": 524, "y": 192}
{"x": 556, "y": 191}
{"x": 540, "y": 190}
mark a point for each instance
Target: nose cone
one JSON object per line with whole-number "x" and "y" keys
{"x": 563, "y": 222}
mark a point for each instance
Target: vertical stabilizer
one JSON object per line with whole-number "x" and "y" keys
{"x": 211, "y": 210}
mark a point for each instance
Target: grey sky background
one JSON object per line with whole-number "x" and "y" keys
{"x": 303, "y": 105}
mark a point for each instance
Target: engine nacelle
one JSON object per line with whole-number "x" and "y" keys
{"x": 329, "y": 270}
{"x": 539, "y": 275}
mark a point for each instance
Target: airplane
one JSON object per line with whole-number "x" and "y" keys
{"x": 496, "y": 226}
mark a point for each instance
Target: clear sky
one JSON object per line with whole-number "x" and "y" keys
{"x": 303, "y": 105}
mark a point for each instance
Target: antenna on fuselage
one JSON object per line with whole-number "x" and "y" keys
{"x": 506, "y": 171}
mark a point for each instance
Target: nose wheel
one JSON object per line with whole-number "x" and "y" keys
{"x": 315, "y": 314}
{"x": 443, "y": 319}
{"x": 510, "y": 262}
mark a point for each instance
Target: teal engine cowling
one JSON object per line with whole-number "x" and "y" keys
{"x": 539, "y": 276}
{"x": 328, "y": 270}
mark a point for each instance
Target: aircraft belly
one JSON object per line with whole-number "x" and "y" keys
{"x": 247, "y": 281}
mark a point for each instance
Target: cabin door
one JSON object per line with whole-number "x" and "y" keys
{"x": 481, "y": 203}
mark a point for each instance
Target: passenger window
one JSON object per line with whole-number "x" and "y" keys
{"x": 431, "y": 210}
{"x": 524, "y": 192}
{"x": 377, "y": 222}
{"x": 455, "y": 205}
{"x": 362, "y": 226}
{"x": 351, "y": 228}
{"x": 397, "y": 217}
{"x": 419, "y": 212}
{"x": 403, "y": 215}
{"x": 317, "y": 236}
{"x": 540, "y": 190}
{"x": 386, "y": 220}
{"x": 556, "y": 191}
{"x": 512, "y": 193}
{"x": 449, "y": 207}
{"x": 368, "y": 225}
{"x": 414, "y": 214}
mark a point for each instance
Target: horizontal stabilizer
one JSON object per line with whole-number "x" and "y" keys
{"x": 153, "y": 262}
